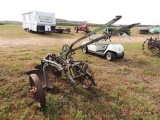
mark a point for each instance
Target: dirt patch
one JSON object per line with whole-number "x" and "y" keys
{"x": 13, "y": 42}
{"x": 32, "y": 42}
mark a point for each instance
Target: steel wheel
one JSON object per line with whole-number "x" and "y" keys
{"x": 37, "y": 90}
{"x": 156, "y": 51}
{"x": 87, "y": 81}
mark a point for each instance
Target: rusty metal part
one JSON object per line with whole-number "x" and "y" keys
{"x": 153, "y": 45}
{"x": 73, "y": 70}
{"x": 56, "y": 72}
{"x": 40, "y": 75}
{"x": 86, "y": 83}
{"x": 51, "y": 70}
{"x": 37, "y": 90}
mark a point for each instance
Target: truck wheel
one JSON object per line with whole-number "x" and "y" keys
{"x": 76, "y": 29}
{"x": 110, "y": 56}
{"x": 85, "y": 50}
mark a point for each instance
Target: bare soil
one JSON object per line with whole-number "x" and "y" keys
{"x": 44, "y": 41}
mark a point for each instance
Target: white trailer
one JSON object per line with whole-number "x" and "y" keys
{"x": 39, "y": 21}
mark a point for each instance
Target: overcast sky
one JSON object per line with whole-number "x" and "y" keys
{"x": 96, "y": 11}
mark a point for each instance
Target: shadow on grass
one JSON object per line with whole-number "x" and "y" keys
{"x": 69, "y": 100}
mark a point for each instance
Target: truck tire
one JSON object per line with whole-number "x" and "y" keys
{"x": 110, "y": 56}
{"x": 85, "y": 50}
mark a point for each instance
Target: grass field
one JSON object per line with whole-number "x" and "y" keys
{"x": 127, "y": 89}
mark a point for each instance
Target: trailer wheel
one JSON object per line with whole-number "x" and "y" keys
{"x": 110, "y": 56}
{"x": 37, "y": 90}
{"x": 28, "y": 30}
{"x": 85, "y": 50}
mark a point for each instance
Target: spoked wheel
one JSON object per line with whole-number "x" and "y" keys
{"x": 87, "y": 83}
{"x": 37, "y": 90}
{"x": 156, "y": 51}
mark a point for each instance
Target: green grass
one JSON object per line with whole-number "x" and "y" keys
{"x": 126, "y": 89}
{"x": 16, "y": 31}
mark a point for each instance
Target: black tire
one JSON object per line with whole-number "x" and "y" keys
{"x": 110, "y": 56}
{"x": 37, "y": 90}
{"x": 85, "y": 50}
{"x": 87, "y": 31}
{"x": 122, "y": 55}
{"x": 28, "y": 30}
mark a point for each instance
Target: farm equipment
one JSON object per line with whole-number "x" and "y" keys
{"x": 127, "y": 31}
{"x": 82, "y": 27}
{"x": 62, "y": 30}
{"x": 76, "y": 71}
{"x": 144, "y": 31}
{"x": 153, "y": 45}
{"x": 110, "y": 29}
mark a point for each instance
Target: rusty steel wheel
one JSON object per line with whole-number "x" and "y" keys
{"x": 155, "y": 51}
{"x": 87, "y": 82}
{"x": 37, "y": 90}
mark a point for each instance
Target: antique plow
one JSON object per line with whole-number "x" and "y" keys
{"x": 77, "y": 72}
{"x": 153, "y": 45}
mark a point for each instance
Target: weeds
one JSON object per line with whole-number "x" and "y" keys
{"x": 126, "y": 89}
